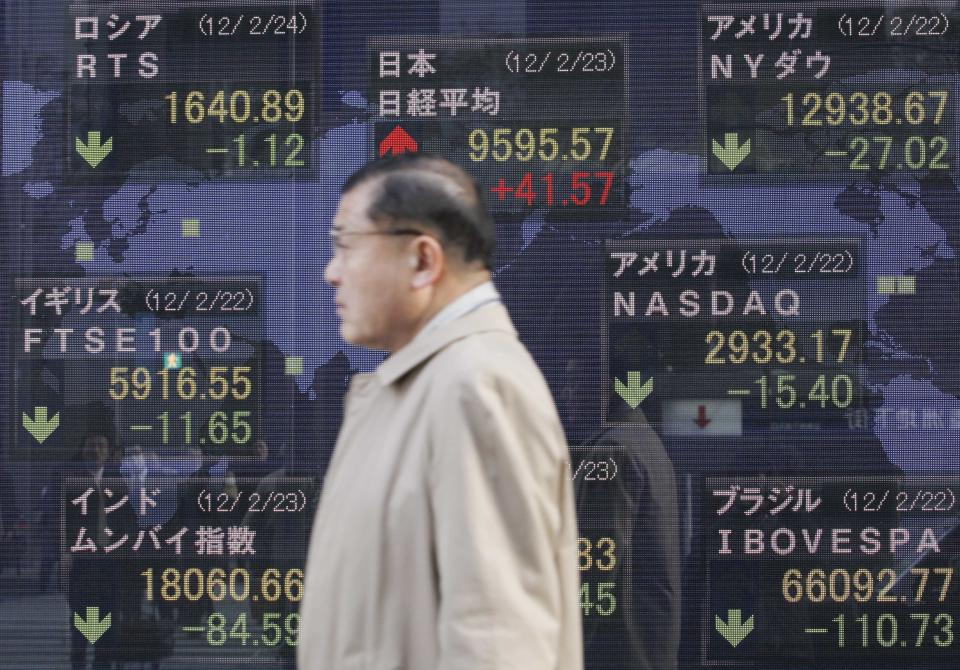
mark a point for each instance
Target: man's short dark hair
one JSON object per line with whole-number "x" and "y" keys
{"x": 116, "y": 450}
{"x": 431, "y": 191}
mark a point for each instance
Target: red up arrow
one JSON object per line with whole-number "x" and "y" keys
{"x": 397, "y": 142}
{"x": 702, "y": 419}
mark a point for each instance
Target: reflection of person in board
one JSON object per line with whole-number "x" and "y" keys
{"x": 446, "y": 530}
{"x": 631, "y": 529}
{"x": 95, "y": 569}
{"x": 281, "y": 532}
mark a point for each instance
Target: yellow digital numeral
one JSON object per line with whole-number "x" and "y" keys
{"x": 860, "y": 102}
{"x": 578, "y": 139}
{"x": 787, "y": 339}
{"x": 835, "y": 106}
{"x": 608, "y": 132}
{"x": 219, "y": 384}
{"x": 586, "y": 558}
{"x": 887, "y": 142}
{"x": 526, "y": 143}
{"x": 295, "y": 105}
{"x": 882, "y": 108}
{"x": 241, "y": 381}
{"x": 119, "y": 386}
{"x": 713, "y": 356}
{"x": 845, "y": 334}
{"x": 547, "y": 139}
{"x": 218, "y": 107}
{"x": 270, "y": 110}
{"x": 501, "y": 138}
{"x": 947, "y": 578}
{"x": 479, "y": 144}
{"x": 942, "y": 97}
{"x": 609, "y": 553}
{"x": 763, "y": 339}
{"x": 193, "y": 107}
{"x": 810, "y": 118}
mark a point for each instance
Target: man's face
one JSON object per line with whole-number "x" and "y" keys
{"x": 371, "y": 274}
{"x": 580, "y": 403}
{"x": 96, "y": 450}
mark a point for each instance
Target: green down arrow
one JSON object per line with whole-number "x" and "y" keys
{"x": 731, "y": 153}
{"x": 93, "y": 627}
{"x": 40, "y": 426}
{"x": 93, "y": 151}
{"x": 734, "y": 630}
{"x": 634, "y": 391}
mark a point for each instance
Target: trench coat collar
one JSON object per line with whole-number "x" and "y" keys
{"x": 492, "y": 317}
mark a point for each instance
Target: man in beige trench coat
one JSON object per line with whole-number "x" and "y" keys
{"x": 446, "y": 533}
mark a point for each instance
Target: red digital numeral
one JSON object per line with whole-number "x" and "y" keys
{"x": 607, "y": 185}
{"x": 524, "y": 190}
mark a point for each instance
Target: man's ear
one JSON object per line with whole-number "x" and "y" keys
{"x": 428, "y": 261}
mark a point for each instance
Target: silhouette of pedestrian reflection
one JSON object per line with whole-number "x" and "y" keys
{"x": 97, "y": 556}
{"x": 626, "y": 496}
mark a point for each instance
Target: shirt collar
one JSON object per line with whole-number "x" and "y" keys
{"x": 466, "y": 303}
{"x": 486, "y": 316}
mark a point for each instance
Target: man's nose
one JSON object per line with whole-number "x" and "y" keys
{"x": 332, "y": 272}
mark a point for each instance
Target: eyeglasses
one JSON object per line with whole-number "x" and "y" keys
{"x": 337, "y": 236}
